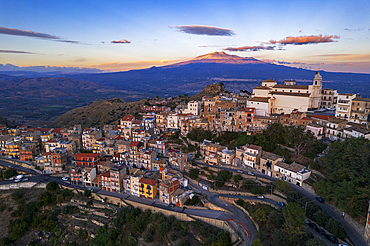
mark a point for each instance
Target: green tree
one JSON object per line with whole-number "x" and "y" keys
{"x": 226, "y": 175}
{"x": 294, "y": 214}
{"x": 52, "y": 186}
{"x": 336, "y": 228}
{"x": 193, "y": 173}
{"x": 87, "y": 193}
{"x": 237, "y": 178}
{"x": 257, "y": 242}
{"x": 259, "y": 215}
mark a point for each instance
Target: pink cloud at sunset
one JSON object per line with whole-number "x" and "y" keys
{"x": 313, "y": 39}
{"x": 122, "y": 41}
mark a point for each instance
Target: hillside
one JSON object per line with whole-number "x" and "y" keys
{"x": 99, "y": 113}
{"x": 28, "y": 99}
{"x": 210, "y": 91}
{"x": 4, "y": 121}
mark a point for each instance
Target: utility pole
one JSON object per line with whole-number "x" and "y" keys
{"x": 305, "y": 207}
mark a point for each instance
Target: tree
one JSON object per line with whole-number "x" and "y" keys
{"x": 87, "y": 193}
{"x": 336, "y": 228}
{"x": 193, "y": 173}
{"x": 146, "y": 103}
{"x": 237, "y": 178}
{"x": 226, "y": 175}
{"x": 294, "y": 214}
{"x": 52, "y": 186}
{"x": 259, "y": 215}
{"x": 257, "y": 242}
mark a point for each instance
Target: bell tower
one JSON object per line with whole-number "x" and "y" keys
{"x": 316, "y": 91}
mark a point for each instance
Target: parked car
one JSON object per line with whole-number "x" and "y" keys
{"x": 320, "y": 199}
{"x": 26, "y": 179}
{"x": 260, "y": 197}
{"x": 250, "y": 173}
{"x": 239, "y": 171}
{"x": 320, "y": 231}
{"x": 65, "y": 179}
{"x": 17, "y": 180}
{"x": 282, "y": 204}
{"x": 331, "y": 238}
{"x": 12, "y": 178}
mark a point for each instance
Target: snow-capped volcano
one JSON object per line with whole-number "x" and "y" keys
{"x": 220, "y": 57}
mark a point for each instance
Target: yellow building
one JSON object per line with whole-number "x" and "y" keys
{"x": 12, "y": 149}
{"x": 148, "y": 188}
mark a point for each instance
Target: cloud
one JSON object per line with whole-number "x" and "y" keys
{"x": 205, "y": 30}
{"x": 250, "y": 48}
{"x": 354, "y": 30}
{"x": 301, "y": 40}
{"x": 350, "y": 64}
{"x": 16, "y": 52}
{"x": 27, "y": 33}
{"x": 122, "y": 41}
{"x": 345, "y": 57}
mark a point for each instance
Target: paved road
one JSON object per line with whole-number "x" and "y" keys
{"x": 352, "y": 234}
{"x": 236, "y": 213}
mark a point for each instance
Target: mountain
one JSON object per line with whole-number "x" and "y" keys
{"x": 219, "y": 57}
{"x": 237, "y": 73}
{"x": 46, "y": 98}
{"x": 98, "y": 114}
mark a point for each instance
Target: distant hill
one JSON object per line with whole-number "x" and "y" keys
{"x": 99, "y": 113}
{"x": 4, "y": 121}
{"x": 46, "y": 98}
{"x": 235, "y": 72}
{"x": 210, "y": 91}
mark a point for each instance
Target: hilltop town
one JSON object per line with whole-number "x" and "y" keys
{"x": 158, "y": 152}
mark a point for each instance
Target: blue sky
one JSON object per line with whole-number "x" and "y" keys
{"x": 328, "y": 35}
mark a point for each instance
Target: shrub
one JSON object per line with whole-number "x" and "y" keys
{"x": 237, "y": 178}
{"x": 52, "y": 186}
{"x": 193, "y": 173}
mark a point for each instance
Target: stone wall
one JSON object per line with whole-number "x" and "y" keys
{"x": 21, "y": 185}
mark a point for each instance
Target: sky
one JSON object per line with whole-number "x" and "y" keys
{"x": 124, "y": 35}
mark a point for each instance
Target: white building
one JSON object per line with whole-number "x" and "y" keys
{"x": 344, "y": 103}
{"x": 293, "y": 173}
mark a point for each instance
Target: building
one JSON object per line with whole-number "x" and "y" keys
{"x": 344, "y": 104}
{"x": 273, "y": 98}
{"x": 88, "y": 175}
{"x": 76, "y": 176}
{"x": 85, "y": 159}
{"x": 295, "y": 118}
{"x": 267, "y": 163}
{"x": 55, "y": 161}
{"x": 329, "y": 98}
{"x": 333, "y": 128}
{"x": 360, "y": 111}
{"x": 195, "y": 107}
{"x": 249, "y": 155}
{"x": 89, "y": 137}
{"x": 293, "y": 173}
{"x": 116, "y": 179}
{"x": 316, "y": 130}
{"x": 166, "y": 188}
{"x": 148, "y": 188}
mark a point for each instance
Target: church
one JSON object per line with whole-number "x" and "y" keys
{"x": 272, "y": 98}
